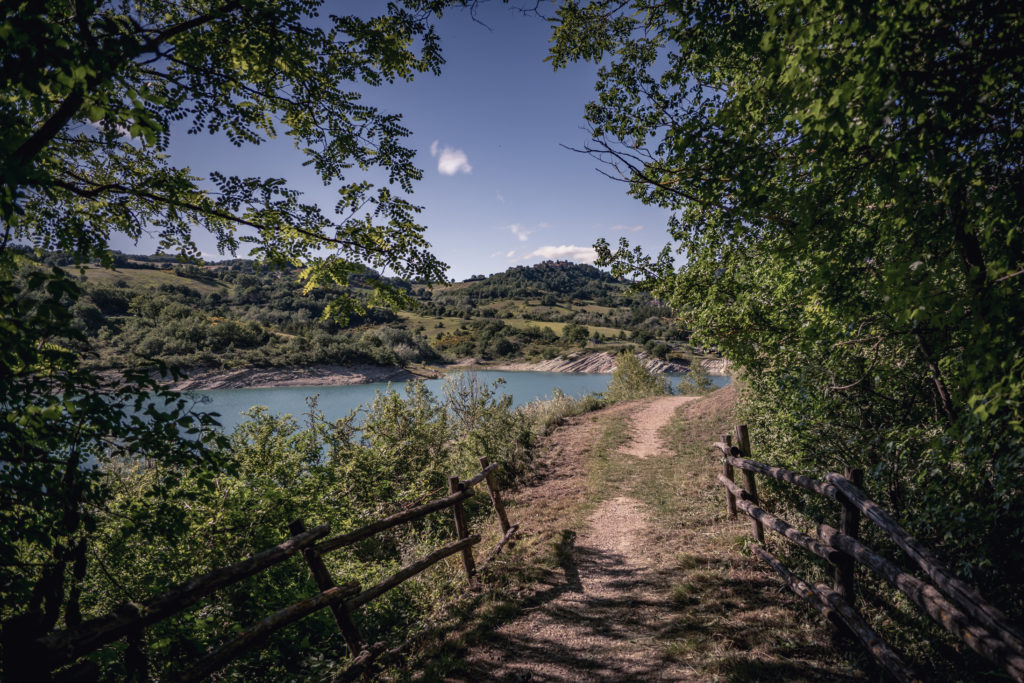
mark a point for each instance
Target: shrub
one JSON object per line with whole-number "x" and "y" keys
{"x": 575, "y": 334}
{"x": 546, "y": 415}
{"x": 631, "y": 379}
{"x": 323, "y": 472}
{"x": 697, "y": 381}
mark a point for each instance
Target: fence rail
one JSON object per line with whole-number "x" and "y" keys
{"x": 953, "y": 604}
{"x": 38, "y": 658}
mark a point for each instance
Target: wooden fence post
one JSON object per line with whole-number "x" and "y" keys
{"x": 743, "y": 442}
{"x": 462, "y": 530}
{"x": 324, "y": 581}
{"x": 730, "y": 499}
{"x": 492, "y": 488}
{"x": 849, "y": 523}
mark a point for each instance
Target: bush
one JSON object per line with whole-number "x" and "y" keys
{"x": 631, "y": 379}
{"x": 697, "y": 381}
{"x": 324, "y": 472}
{"x": 546, "y": 415}
{"x": 575, "y": 334}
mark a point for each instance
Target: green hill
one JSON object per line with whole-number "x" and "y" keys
{"x": 237, "y": 314}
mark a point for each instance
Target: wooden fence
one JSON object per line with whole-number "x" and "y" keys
{"x": 957, "y": 607}
{"x": 37, "y": 659}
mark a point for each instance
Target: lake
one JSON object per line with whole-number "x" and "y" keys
{"x": 337, "y": 402}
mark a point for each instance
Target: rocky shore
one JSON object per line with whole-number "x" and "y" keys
{"x": 311, "y": 376}
{"x": 604, "y": 362}
{"x": 339, "y": 375}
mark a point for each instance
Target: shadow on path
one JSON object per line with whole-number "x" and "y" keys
{"x": 600, "y": 618}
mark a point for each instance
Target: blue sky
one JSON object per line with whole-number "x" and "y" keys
{"x": 498, "y": 187}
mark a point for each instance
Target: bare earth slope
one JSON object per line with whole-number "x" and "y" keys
{"x": 650, "y": 584}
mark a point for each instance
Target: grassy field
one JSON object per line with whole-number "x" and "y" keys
{"x": 520, "y": 323}
{"x": 433, "y": 325}
{"x": 136, "y": 278}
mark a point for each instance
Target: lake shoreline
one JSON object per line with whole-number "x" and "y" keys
{"x": 202, "y": 379}
{"x": 297, "y": 376}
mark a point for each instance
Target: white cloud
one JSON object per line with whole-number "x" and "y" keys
{"x": 510, "y": 254}
{"x": 500, "y": 197}
{"x": 450, "y": 161}
{"x": 569, "y": 252}
{"x": 453, "y": 161}
{"x": 628, "y": 228}
{"x": 519, "y": 231}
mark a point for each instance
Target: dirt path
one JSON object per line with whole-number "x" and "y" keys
{"x": 647, "y": 583}
{"x": 601, "y": 622}
{"x": 646, "y": 425}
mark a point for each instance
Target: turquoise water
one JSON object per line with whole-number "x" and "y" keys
{"x": 337, "y": 402}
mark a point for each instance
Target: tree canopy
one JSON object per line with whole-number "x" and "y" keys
{"x": 92, "y": 93}
{"x": 846, "y": 186}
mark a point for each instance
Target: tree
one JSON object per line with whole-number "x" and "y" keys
{"x": 632, "y": 379}
{"x": 63, "y": 426}
{"x": 94, "y": 91}
{"x": 91, "y": 94}
{"x": 697, "y": 380}
{"x": 845, "y": 186}
{"x": 575, "y": 334}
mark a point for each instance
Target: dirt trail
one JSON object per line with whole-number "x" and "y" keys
{"x": 647, "y": 586}
{"x": 647, "y": 423}
{"x": 600, "y": 623}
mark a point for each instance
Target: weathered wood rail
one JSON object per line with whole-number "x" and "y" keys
{"x": 38, "y": 659}
{"x": 953, "y": 604}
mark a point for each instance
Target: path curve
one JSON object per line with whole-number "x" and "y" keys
{"x": 648, "y": 422}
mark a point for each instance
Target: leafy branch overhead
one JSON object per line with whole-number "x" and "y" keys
{"x": 93, "y": 92}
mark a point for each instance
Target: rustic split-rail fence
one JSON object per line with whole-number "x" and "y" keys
{"x": 953, "y": 604}
{"x": 37, "y": 659}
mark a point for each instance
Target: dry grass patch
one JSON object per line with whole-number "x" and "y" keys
{"x": 734, "y": 620}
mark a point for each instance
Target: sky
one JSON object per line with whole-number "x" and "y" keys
{"x": 499, "y": 187}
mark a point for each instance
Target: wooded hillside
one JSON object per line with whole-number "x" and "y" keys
{"x": 237, "y": 313}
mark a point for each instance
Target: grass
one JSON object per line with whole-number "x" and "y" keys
{"x": 147, "y": 277}
{"x": 520, "y": 323}
{"x": 606, "y": 471}
{"x": 731, "y": 621}
{"x": 433, "y": 325}
{"x": 552, "y": 413}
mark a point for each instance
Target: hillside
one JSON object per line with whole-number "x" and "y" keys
{"x": 237, "y": 314}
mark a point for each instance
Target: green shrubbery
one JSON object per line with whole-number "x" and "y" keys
{"x": 324, "y": 472}
{"x": 631, "y": 379}
{"x": 63, "y": 426}
{"x": 546, "y": 415}
{"x": 860, "y": 261}
{"x": 697, "y": 381}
